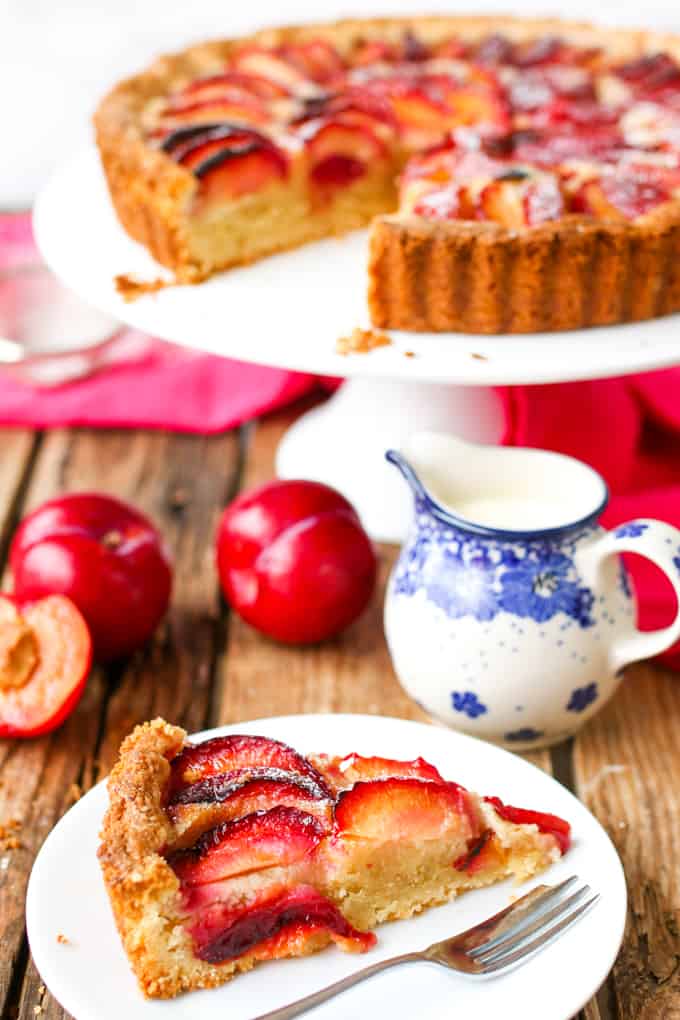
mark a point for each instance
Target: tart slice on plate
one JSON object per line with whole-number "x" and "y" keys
{"x": 238, "y": 849}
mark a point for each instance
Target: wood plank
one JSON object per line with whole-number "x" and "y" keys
{"x": 627, "y": 771}
{"x": 17, "y": 450}
{"x": 187, "y": 483}
{"x": 173, "y": 479}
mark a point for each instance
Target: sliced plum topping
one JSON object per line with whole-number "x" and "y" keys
{"x": 538, "y": 51}
{"x": 243, "y": 110}
{"x": 339, "y": 152}
{"x": 472, "y": 859}
{"x": 221, "y": 755}
{"x": 280, "y": 836}
{"x": 353, "y": 768}
{"x": 550, "y": 824}
{"x": 216, "y": 84}
{"x": 274, "y": 926}
{"x": 413, "y": 48}
{"x": 221, "y": 788}
{"x": 271, "y": 65}
{"x": 543, "y": 201}
{"x": 180, "y": 141}
{"x": 495, "y": 49}
{"x": 503, "y": 145}
{"x": 316, "y": 59}
{"x": 656, "y": 71}
{"x": 447, "y": 203}
{"x": 209, "y": 802}
{"x": 373, "y": 51}
{"x": 397, "y": 808}
{"x": 459, "y": 183}
{"x": 621, "y": 195}
{"x": 235, "y": 167}
{"x": 195, "y": 154}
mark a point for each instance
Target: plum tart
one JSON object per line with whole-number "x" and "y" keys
{"x": 519, "y": 175}
{"x": 220, "y": 854}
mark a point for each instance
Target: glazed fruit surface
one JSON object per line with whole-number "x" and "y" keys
{"x": 270, "y": 828}
{"x": 518, "y": 133}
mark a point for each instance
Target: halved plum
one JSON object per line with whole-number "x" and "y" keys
{"x": 280, "y": 836}
{"x": 403, "y": 808}
{"x": 226, "y": 754}
{"x": 274, "y": 926}
{"x": 45, "y": 659}
{"x": 550, "y": 824}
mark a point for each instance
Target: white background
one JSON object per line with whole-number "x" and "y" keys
{"x": 58, "y": 56}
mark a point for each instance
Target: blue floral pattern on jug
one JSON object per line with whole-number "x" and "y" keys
{"x": 676, "y": 561}
{"x": 540, "y": 587}
{"x": 632, "y": 530}
{"x": 581, "y": 697}
{"x": 468, "y": 703}
{"x": 523, "y": 735}
{"x": 468, "y": 575}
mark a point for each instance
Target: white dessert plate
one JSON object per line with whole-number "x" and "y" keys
{"x": 290, "y": 309}
{"x": 90, "y": 976}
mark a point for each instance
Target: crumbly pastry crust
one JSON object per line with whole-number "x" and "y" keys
{"x": 145, "y": 892}
{"x": 460, "y": 276}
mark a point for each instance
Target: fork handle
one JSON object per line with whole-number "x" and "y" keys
{"x": 324, "y": 994}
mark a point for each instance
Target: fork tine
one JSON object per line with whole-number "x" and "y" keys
{"x": 541, "y": 940}
{"x": 516, "y": 919}
{"x": 515, "y": 935}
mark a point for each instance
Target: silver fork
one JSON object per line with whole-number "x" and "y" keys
{"x": 502, "y": 941}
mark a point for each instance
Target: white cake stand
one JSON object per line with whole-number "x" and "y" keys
{"x": 289, "y": 310}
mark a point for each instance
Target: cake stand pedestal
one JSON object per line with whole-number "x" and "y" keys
{"x": 288, "y": 311}
{"x": 343, "y": 442}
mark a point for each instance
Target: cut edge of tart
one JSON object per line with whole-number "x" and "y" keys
{"x": 287, "y": 854}
{"x": 236, "y": 149}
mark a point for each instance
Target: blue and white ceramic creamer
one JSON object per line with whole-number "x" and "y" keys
{"x": 509, "y": 613}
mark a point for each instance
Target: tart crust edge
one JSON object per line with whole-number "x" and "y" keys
{"x": 482, "y": 278}
{"x": 142, "y": 888}
{"x": 150, "y": 192}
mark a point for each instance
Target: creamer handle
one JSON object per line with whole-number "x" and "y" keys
{"x": 658, "y": 542}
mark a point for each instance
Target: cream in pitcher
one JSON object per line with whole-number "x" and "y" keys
{"x": 509, "y": 613}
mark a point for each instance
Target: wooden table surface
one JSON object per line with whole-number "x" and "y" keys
{"x": 206, "y": 667}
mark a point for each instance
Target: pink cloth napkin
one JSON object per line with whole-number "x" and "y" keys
{"x": 169, "y": 387}
{"x": 628, "y": 429}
